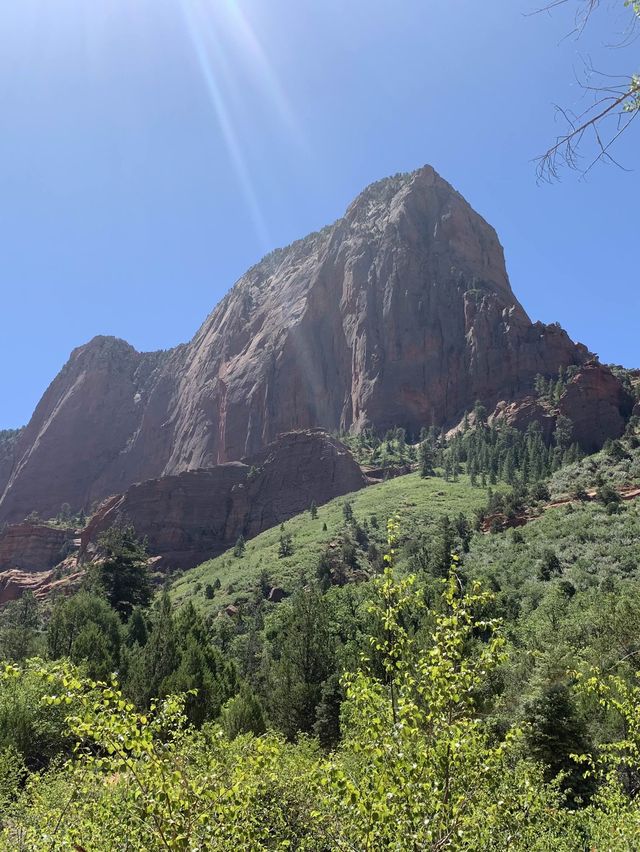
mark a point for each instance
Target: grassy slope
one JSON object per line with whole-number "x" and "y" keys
{"x": 420, "y": 503}
{"x": 600, "y": 467}
{"x": 589, "y": 542}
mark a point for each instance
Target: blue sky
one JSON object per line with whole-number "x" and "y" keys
{"x": 151, "y": 151}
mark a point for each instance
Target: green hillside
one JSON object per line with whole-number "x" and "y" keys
{"x": 420, "y": 502}
{"x": 386, "y": 682}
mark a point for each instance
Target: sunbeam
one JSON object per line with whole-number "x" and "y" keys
{"x": 214, "y": 26}
{"x": 197, "y": 25}
{"x": 264, "y": 74}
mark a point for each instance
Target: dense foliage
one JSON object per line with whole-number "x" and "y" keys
{"x": 390, "y": 701}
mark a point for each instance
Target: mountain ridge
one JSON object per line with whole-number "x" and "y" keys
{"x": 399, "y": 313}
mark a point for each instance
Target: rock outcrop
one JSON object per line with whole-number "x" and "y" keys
{"x": 401, "y": 313}
{"x": 597, "y": 404}
{"x": 34, "y": 547}
{"x": 195, "y": 515}
{"x": 45, "y": 584}
{"x": 594, "y": 400}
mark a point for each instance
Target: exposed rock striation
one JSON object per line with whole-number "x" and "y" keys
{"x": 34, "y": 547}
{"x": 44, "y": 584}
{"x": 401, "y": 313}
{"x": 194, "y": 515}
{"x": 594, "y": 400}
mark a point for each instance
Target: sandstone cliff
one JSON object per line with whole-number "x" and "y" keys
{"x": 34, "y": 547}
{"x": 594, "y": 400}
{"x": 401, "y": 313}
{"x": 194, "y": 515}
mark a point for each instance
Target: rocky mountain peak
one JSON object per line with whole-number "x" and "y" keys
{"x": 399, "y": 314}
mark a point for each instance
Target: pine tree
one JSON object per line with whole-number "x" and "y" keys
{"x": 554, "y": 733}
{"x": 563, "y": 432}
{"x": 19, "y": 631}
{"x": 426, "y": 459}
{"x": 137, "y": 632}
{"x": 122, "y": 574}
{"x": 480, "y": 413}
{"x": 302, "y": 658}
{"x": 441, "y": 560}
{"x": 285, "y": 545}
{"x": 152, "y": 668}
{"x": 243, "y": 714}
{"x": 85, "y": 629}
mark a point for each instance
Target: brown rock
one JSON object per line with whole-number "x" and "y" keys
{"x": 34, "y": 547}
{"x": 597, "y": 404}
{"x": 277, "y": 595}
{"x": 401, "y": 313}
{"x": 595, "y": 401}
{"x": 13, "y": 584}
{"x": 196, "y": 515}
{"x": 520, "y": 413}
{"x": 391, "y": 471}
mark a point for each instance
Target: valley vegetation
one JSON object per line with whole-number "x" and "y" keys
{"x": 450, "y": 662}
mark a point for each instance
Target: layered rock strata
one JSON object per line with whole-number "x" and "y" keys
{"x": 399, "y": 314}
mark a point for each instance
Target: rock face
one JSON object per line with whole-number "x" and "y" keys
{"x": 33, "y": 547}
{"x": 399, "y": 314}
{"x": 594, "y": 400}
{"x": 13, "y": 584}
{"x": 597, "y": 404}
{"x": 192, "y": 516}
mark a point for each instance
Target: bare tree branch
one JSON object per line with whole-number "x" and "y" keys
{"x": 565, "y": 149}
{"x": 617, "y": 100}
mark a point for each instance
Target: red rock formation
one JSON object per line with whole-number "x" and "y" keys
{"x": 401, "y": 313}
{"x": 520, "y": 413}
{"x": 33, "y": 547}
{"x": 597, "y": 404}
{"x": 13, "y": 584}
{"x": 594, "y": 400}
{"x": 195, "y": 515}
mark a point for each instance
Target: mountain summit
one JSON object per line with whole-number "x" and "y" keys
{"x": 399, "y": 314}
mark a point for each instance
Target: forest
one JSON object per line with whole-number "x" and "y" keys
{"x": 452, "y": 665}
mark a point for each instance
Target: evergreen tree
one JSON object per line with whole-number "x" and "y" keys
{"x": 122, "y": 573}
{"x": 441, "y": 558}
{"x": 563, "y": 432}
{"x": 85, "y": 629}
{"x": 137, "y": 632}
{"x": 554, "y": 733}
{"x": 159, "y": 658}
{"x": 19, "y": 628}
{"x": 464, "y": 531}
{"x": 327, "y": 724}
{"x": 426, "y": 458}
{"x": 301, "y": 658}
{"x": 243, "y": 714}
{"x": 549, "y": 565}
{"x": 285, "y": 545}
{"x": 480, "y": 413}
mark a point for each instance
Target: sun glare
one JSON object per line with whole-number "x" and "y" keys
{"x": 227, "y": 47}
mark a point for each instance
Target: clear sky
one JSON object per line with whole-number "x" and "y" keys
{"x": 152, "y": 150}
